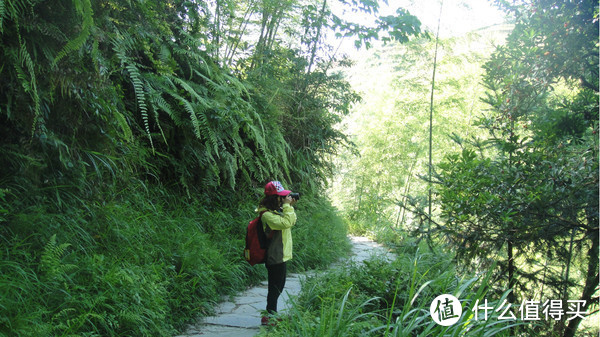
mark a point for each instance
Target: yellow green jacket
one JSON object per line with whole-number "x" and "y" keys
{"x": 280, "y": 222}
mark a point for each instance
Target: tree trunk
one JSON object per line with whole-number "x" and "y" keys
{"x": 229, "y": 54}
{"x": 511, "y": 272}
{"x": 407, "y": 185}
{"x": 316, "y": 39}
{"x": 591, "y": 282}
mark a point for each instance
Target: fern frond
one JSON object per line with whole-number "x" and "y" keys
{"x": 2, "y": 15}
{"x": 30, "y": 85}
{"x": 212, "y": 137}
{"x": 163, "y": 105}
{"x": 233, "y": 81}
{"x": 122, "y": 122}
{"x": 49, "y": 29}
{"x": 231, "y": 168}
{"x": 51, "y": 259}
{"x": 282, "y": 152}
{"x": 84, "y": 8}
{"x": 201, "y": 116}
{"x": 138, "y": 88}
{"x": 192, "y": 54}
{"x": 188, "y": 88}
{"x": 155, "y": 109}
{"x": 190, "y": 110}
{"x": 214, "y": 86}
{"x": 24, "y": 81}
{"x": 257, "y": 137}
{"x": 152, "y": 94}
{"x": 199, "y": 122}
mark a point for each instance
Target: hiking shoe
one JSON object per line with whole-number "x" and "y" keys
{"x": 266, "y": 320}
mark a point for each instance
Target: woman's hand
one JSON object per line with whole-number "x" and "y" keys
{"x": 289, "y": 200}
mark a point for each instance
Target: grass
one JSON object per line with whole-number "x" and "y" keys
{"x": 391, "y": 299}
{"x": 142, "y": 263}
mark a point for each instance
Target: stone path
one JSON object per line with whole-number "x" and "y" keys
{"x": 241, "y": 318}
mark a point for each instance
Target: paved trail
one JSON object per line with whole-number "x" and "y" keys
{"x": 241, "y": 318}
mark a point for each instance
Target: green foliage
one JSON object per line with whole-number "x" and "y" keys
{"x": 144, "y": 264}
{"x": 525, "y": 196}
{"x": 131, "y": 147}
{"x": 155, "y": 85}
{"x": 399, "y": 27}
{"x": 381, "y": 298}
{"x": 517, "y": 157}
{"x": 83, "y": 8}
{"x": 319, "y": 235}
{"x": 390, "y": 126}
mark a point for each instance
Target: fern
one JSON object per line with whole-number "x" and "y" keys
{"x": 156, "y": 118}
{"x": 188, "y": 88}
{"x": 138, "y": 88}
{"x": 163, "y": 105}
{"x": 211, "y": 179}
{"x": 190, "y": 110}
{"x": 214, "y": 141}
{"x": 49, "y": 29}
{"x": 214, "y": 86}
{"x": 282, "y": 152}
{"x": 242, "y": 89}
{"x": 22, "y": 77}
{"x": 199, "y": 122}
{"x": 258, "y": 138}
{"x": 84, "y": 8}
{"x": 51, "y": 260}
{"x": 231, "y": 168}
{"x": 122, "y": 44}
{"x": 122, "y": 122}
{"x": 24, "y": 59}
{"x": 153, "y": 94}
{"x": 2, "y": 15}
{"x": 190, "y": 54}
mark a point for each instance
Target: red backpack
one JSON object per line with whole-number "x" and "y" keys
{"x": 257, "y": 242}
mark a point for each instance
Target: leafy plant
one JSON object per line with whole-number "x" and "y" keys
{"x": 392, "y": 299}
{"x": 525, "y": 195}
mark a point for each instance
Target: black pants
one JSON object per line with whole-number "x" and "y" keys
{"x": 277, "y": 274}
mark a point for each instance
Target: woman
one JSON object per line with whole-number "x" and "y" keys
{"x": 278, "y": 218}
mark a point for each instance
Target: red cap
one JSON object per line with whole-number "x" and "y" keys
{"x": 275, "y": 187}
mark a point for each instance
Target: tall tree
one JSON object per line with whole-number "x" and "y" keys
{"x": 527, "y": 196}
{"x": 390, "y": 126}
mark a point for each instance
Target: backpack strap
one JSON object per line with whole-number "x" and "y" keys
{"x": 272, "y": 232}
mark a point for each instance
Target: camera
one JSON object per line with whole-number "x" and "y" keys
{"x": 295, "y": 196}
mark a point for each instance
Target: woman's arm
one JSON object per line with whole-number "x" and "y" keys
{"x": 279, "y": 222}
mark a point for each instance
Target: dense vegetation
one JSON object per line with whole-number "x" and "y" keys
{"x": 529, "y": 193}
{"x": 515, "y": 175}
{"x": 136, "y": 139}
{"x": 383, "y": 298}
